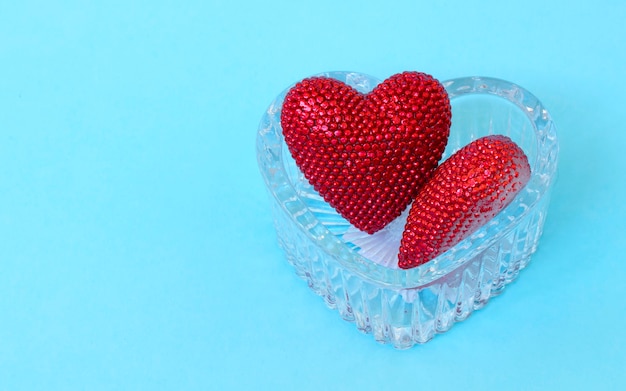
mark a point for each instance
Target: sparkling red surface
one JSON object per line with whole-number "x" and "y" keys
{"x": 466, "y": 191}
{"x": 369, "y": 154}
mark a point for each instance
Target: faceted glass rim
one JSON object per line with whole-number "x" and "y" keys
{"x": 543, "y": 169}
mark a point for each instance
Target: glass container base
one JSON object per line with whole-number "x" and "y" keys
{"x": 357, "y": 276}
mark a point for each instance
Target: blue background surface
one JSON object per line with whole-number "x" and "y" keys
{"x": 137, "y": 249}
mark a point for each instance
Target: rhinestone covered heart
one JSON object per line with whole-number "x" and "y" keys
{"x": 367, "y": 155}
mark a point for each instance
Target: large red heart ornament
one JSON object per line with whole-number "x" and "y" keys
{"x": 367, "y": 155}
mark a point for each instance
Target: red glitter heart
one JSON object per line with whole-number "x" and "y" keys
{"x": 466, "y": 191}
{"x": 367, "y": 155}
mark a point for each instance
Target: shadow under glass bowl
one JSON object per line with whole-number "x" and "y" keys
{"x": 405, "y": 307}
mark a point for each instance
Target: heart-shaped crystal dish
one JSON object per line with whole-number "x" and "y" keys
{"x": 353, "y": 272}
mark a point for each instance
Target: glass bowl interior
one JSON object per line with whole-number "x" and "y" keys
{"x": 480, "y": 106}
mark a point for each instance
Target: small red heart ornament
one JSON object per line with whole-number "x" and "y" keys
{"x": 466, "y": 191}
{"x": 367, "y": 155}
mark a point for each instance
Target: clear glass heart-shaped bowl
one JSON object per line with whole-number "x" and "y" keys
{"x": 405, "y": 307}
